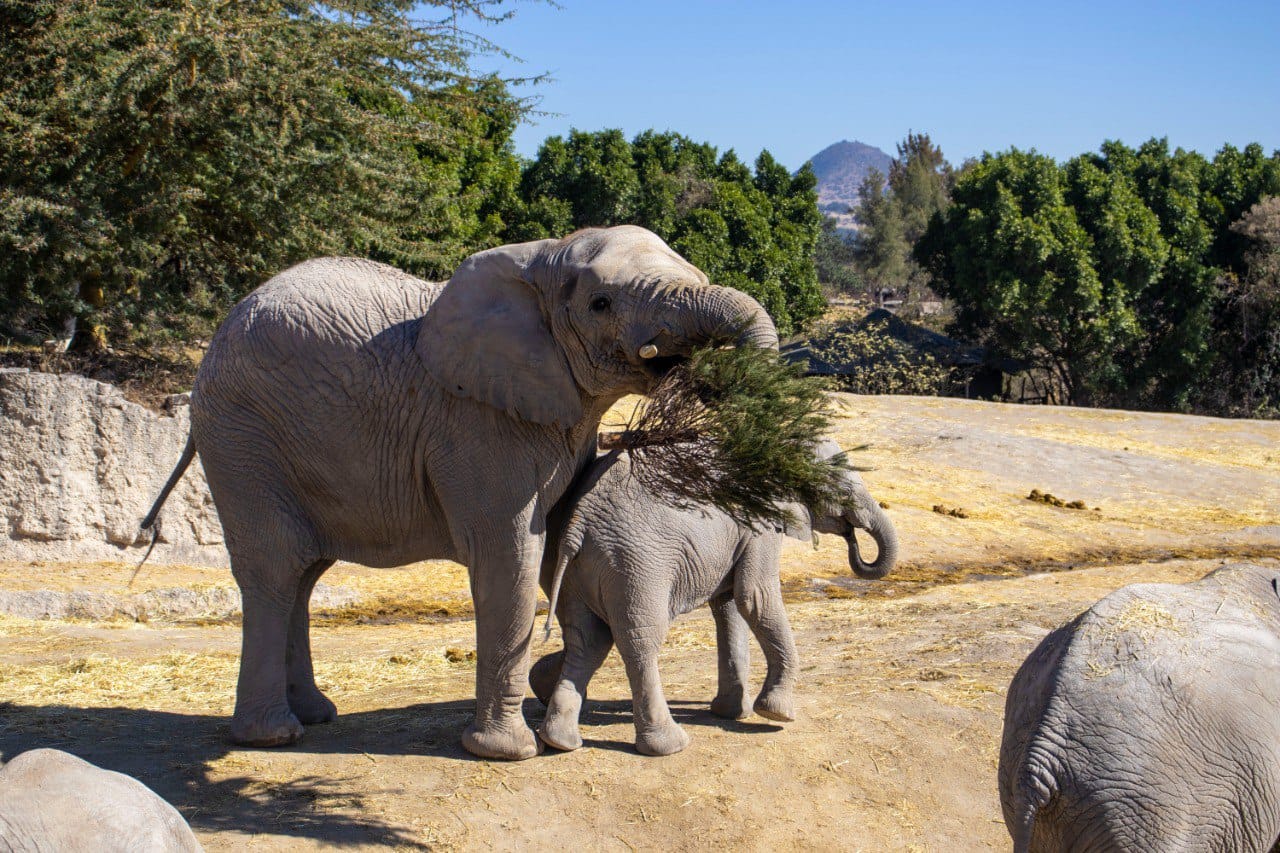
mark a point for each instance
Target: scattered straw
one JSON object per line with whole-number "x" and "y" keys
{"x": 1144, "y": 618}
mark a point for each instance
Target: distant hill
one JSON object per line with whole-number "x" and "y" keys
{"x": 840, "y": 169}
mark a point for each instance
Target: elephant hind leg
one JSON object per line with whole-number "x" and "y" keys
{"x": 544, "y": 675}
{"x": 733, "y": 655}
{"x": 306, "y": 701}
{"x": 656, "y": 732}
{"x": 275, "y": 647}
{"x": 587, "y": 641}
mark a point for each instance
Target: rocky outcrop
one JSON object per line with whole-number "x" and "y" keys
{"x": 167, "y": 604}
{"x": 80, "y": 466}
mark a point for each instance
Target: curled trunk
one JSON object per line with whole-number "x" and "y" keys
{"x": 886, "y": 538}
{"x": 719, "y": 311}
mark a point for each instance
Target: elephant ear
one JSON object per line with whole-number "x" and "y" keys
{"x": 485, "y": 338}
{"x": 800, "y": 524}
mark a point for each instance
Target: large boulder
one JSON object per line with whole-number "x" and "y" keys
{"x": 80, "y": 466}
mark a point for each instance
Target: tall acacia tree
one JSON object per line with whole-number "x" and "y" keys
{"x": 159, "y": 156}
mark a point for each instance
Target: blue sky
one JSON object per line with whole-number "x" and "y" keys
{"x": 796, "y": 76}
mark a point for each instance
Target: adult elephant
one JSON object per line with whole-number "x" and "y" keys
{"x": 1150, "y": 722}
{"x": 348, "y": 411}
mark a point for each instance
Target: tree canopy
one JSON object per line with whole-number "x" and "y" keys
{"x": 1110, "y": 271}
{"x": 171, "y": 155}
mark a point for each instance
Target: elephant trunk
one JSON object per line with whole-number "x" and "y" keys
{"x": 719, "y": 311}
{"x": 886, "y": 538}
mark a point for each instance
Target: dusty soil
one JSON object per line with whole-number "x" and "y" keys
{"x": 900, "y": 708}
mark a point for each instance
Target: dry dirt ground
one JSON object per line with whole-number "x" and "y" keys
{"x": 899, "y": 710}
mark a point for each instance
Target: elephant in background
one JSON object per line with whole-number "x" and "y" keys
{"x": 623, "y": 562}
{"x": 1151, "y": 722}
{"x": 346, "y": 410}
{"x": 51, "y": 800}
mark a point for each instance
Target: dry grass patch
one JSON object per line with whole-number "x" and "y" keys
{"x": 205, "y": 681}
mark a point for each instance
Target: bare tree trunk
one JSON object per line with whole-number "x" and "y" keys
{"x": 90, "y": 335}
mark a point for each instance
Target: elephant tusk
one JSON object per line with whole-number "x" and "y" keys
{"x": 648, "y": 351}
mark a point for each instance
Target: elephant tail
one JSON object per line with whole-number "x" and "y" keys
{"x": 1035, "y": 790}
{"x": 149, "y": 523}
{"x": 570, "y": 544}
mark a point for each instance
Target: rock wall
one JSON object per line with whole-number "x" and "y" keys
{"x": 80, "y": 466}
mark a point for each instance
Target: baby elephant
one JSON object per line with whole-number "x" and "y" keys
{"x": 1151, "y": 722}
{"x": 51, "y": 800}
{"x": 628, "y": 562}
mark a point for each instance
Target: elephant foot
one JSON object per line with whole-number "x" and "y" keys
{"x": 665, "y": 740}
{"x": 561, "y": 733}
{"x": 272, "y": 726}
{"x": 311, "y": 706}
{"x": 732, "y": 706}
{"x": 514, "y": 744}
{"x": 560, "y": 728}
{"x": 545, "y": 675}
{"x": 777, "y": 704}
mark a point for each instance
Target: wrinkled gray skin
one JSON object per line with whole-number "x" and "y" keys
{"x": 51, "y": 800}
{"x": 627, "y": 562}
{"x": 1151, "y": 722}
{"x": 348, "y": 411}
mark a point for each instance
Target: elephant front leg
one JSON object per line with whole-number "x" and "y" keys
{"x": 505, "y": 603}
{"x": 733, "y": 656}
{"x": 656, "y": 732}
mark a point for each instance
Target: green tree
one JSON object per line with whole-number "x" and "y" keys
{"x": 163, "y": 158}
{"x": 835, "y": 260}
{"x": 1120, "y": 272}
{"x": 1017, "y": 260}
{"x": 894, "y": 214}
{"x": 1247, "y": 322}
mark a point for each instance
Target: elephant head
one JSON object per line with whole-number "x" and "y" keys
{"x": 859, "y": 511}
{"x": 534, "y": 329}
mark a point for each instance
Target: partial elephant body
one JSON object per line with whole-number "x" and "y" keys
{"x": 1150, "y": 722}
{"x": 334, "y": 419}
{"x": 307, "y": 393}
{"x": 346, "y": 410}
{"x": 51, "y": 800}
{"x": 623, "y": 563}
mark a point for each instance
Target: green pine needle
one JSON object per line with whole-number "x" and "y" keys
{"x": 736, "y": 429}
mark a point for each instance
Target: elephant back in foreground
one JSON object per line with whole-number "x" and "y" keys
{"x": 1150, "y": 722}
{"x": 51, "y": 800}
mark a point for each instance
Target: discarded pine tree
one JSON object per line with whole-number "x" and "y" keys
{"x": 737, "y": 429}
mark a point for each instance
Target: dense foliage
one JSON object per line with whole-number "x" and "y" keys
{"x": 753, "y": 229}
{"x": 835, "y": 261}
{"x": 160, "y": 159}
{"x": 1119, "y": 272}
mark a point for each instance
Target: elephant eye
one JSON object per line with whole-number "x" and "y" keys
{"x": 601, "y": 303}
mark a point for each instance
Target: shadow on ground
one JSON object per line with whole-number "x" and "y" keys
{"x": 172, "y": 753}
